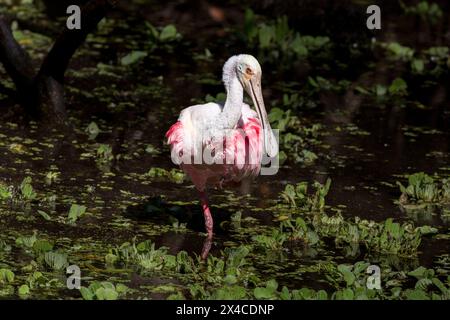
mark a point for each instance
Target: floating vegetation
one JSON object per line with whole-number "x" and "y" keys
{"x": 160, "y": 174}
{"x": 423, "y": 190}
{"x": 387, "y": 237}
{"x": 433, "y": 61}
{"x": 427, "y": 11}
{"x": 75, "y": 212}
{"x": 103, "y": 291}
{"x": 294, "y": 137}
{"x": 278, "y": 41}
{"x": 297, "y": 196}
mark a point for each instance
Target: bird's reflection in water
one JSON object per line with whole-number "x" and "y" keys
{"x": 156, "y": 210}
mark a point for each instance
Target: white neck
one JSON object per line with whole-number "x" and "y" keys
{"x": 231, "y": 112}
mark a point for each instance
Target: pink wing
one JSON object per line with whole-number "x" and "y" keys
{"x": 245, "y": 149}
{"x": 175, "y": 138}
{"x": 242, "y": 154}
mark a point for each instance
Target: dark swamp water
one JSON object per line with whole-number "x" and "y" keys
{"x": 361, "y": 128}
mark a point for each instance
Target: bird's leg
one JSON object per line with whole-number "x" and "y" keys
{"x": 208, "y": 225}
{"x": 206, "y": 247}
{"x": 206, "y": 214}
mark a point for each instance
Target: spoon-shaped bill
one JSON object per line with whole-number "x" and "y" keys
{"x": 270, "y": 142}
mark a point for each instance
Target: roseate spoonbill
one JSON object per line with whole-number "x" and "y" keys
{"x": 236, "y": 136}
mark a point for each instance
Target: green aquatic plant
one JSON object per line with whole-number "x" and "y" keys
{"x": 277, "y": 40}
{"x": 56, "y": 260}
{"x": 302, "y": 294}
{"x": 398, "y": 88}
{"x": 397, "y": 51}
{"x": 423, "y": 188}
{"x": 6, "y": 276}
{"x": 51, "y": 177}
{"x": 427, "y": 11}
{"x": 221, "y": 97}
{"x": 36, "y": 280}
{"x": 432, "y": 61}
{"x": 428, "y": 286}
{"x": 273, "y": 240}
{"x": 297, "y": 195}
{"x": 24, "y": 290}
{"x": 298, "y": 229}
{"x": 295, "y": 138}
{"x": 387, "y": 237}
{"x": 75, "y": 212}
{"x": 23, "y": 194}
{"x": 26, "y": 189}
{"x": 150, "y": 258}
{"x": 5, "y": 192}
{"x": 283, "y": 119}
{"x": 163, "y": 38}
{"x": 92, "y": 130}
{"x": 27, "y": 242}
{"x": 146, "y": 256}
{"x": 270, "y": 291}
{"x": 104, "y": 153}
{"x": 350, "y": 281}
{"x": 103, "y": 291}
{"x": 167, "y": 33}
{"x": 160, "y": 174}
{"x": 133, "y": 57}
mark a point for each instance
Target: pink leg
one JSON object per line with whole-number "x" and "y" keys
{"x": 206, "y": 247}
{"x": 206, "y": 214}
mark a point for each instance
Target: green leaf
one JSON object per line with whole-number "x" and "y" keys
{"x": 56, "y": 260}
{"x": 398, "y": 87}
{"x": 24, "y": 290}
{"x": 347, "y": 294}
{"x": 230, "y": 279}
{"x": 266, "y": 35}
{"x": 106, "y": 294}
{"x": 169, "y": 32}
{"x": 272, "y": 285}
{"x": 299, "y": 48}
{"x": 42, "y": 246}
{"x": 416, "y": 294}
{"x": 27, "y": 189}
{"x": 121, "y": 288}
{"x": 345, "y": 270}
{"x": 92, "y": 130}
{"x": 285, "y": 294}
{"x": 75, "y": 212}
{"x": 45, "y": 215}
{"x": 418, "y": 273}
{"x": 380, "y": 90}
{"x": 133, "y": 57}
{"x": 6, "y": 275}
{"x": 417, "y": 65}
{"x": 230, "y": 293}
{"x": 322, "y": 295}
{"x": 263, "y": 293}
{"x": 427, "y": 230}
{"x": 86, "y": 293}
